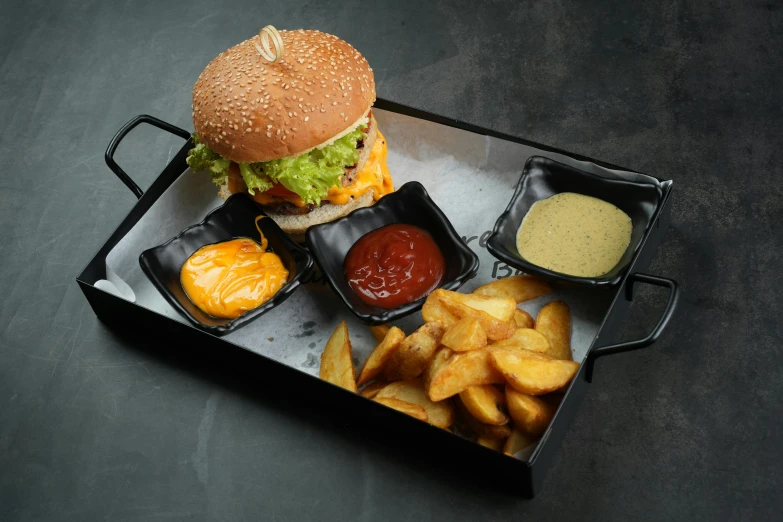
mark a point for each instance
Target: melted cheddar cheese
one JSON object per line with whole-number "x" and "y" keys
{"x": 374, "y": 176}
{"x": 230, "y": 278}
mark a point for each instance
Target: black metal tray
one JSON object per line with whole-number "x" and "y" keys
{"x": 423, "y": 444}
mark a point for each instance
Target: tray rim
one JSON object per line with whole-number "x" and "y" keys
{"x": 176, "y": 167}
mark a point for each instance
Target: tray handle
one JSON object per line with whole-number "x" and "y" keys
{"x": 115, "y": 141}
{"x": 627, "y": 346}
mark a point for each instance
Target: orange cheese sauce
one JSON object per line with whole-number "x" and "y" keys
{"x": 230, "y": 278}
{"x": 374, "y": 176}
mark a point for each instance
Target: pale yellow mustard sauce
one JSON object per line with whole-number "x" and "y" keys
{"x": 574, "y": 234}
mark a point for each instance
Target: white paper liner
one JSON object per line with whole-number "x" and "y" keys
{"x": 471, "y": 177}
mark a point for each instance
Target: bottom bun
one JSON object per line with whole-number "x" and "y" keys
{"x": 296, "y": 226}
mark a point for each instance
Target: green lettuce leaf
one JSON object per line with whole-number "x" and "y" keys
{"x": 310, "y": 175}
{"x": 254, "y": 177}
{"x": 311, "y": 180}
{"x": 202, "y": 157}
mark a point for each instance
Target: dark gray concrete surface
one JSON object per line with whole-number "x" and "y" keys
{"x": 93, "y": 428}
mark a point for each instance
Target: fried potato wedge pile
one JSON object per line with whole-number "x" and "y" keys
{"x": 479, "y": 365}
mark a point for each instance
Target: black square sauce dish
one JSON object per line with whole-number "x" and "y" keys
{"x": 234, "y": 219}
{"x": 411, "y": 205}
{"x": 542, "y": 178}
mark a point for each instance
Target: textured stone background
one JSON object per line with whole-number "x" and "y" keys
{"x": 92, "y": 428}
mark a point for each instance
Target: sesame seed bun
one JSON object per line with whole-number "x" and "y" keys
{"x": 250, "y": 110}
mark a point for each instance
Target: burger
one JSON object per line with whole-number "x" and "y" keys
{"x": 295, "y": 131}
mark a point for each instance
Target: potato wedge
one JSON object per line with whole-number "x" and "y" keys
{"x": 434, "y": 329}
{"x": 413, "y": 410}
{"x": 379, "y": 331}
{"x": 434, "y": 311}
{"x": 413, "y": 354}
{"x": 484, "y": 403}
{"x": 378, "y": 358}
{"x": 530, "y": 414}
{"x": 438, "y": 360}
{"x": 523, "y": 319}
{"x": 461, "y": 371}
{"x": 440, "y": 414}
{"x": 372, "y": 389}
{"x": 554, "y": 321}
{"x": 493, "y": 444}
{"x": 517, "y": 441}
{"x": 520, "y": 288}
{"x": 531, "y": 372}
{"x": 336, "y": 363}
{"x": 524, "y": 354}
{"x": 496, "y": 329}
{"x": 501, "y": 308}
{"x": 491, "y": 431}
{"x": 525, "y": 339}
{"x": 393, "y": 369}
{"x": 465, "y": 335}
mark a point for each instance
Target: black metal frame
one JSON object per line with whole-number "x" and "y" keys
{"x": 115, "y": 142}
{"x": 422, "y": 442}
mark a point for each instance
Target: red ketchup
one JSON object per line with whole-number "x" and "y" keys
{"x": 394, "y": 265}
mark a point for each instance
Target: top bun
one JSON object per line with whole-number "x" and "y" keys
{"x": 249, "y": 110}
